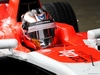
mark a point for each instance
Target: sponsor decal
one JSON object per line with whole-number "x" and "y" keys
{"x": 68, "y": 53}
{"x": 77, "y": 56}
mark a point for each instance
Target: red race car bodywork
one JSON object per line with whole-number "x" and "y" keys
{"x": 69, "y": 46}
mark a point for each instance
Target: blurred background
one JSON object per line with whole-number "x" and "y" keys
{"x": 87, "y": 12}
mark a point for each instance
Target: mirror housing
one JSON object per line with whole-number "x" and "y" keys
{"x": 8, "y": 43}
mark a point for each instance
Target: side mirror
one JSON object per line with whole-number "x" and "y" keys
{"x": 4, "y": 1}
{"x": 8, "y": 43}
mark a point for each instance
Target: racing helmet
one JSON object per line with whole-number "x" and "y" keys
{"x": 43, "y": 31}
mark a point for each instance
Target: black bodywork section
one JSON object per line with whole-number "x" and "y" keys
{"x": 4, "y": 1}
{"x": 12, "y": 66}
{"x": 26, "y": 5}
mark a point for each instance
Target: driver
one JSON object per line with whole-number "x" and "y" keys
{"x": 38, "y": 29}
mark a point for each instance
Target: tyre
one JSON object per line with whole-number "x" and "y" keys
{"x": 62, "y": 12}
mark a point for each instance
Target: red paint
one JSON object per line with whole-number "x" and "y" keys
{"x": 68, "y": 46}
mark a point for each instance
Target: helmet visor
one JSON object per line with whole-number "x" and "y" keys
{"x": 42, "y": 31}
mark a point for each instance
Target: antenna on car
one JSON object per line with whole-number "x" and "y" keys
{"x": 92, "y": 60}
{"x": 10, "y": 49}
{"x": 28, "y": 7}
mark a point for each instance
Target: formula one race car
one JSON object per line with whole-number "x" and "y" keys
{"x": 49, "y": 47}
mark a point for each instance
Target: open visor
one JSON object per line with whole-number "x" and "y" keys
{"x": 42, "y": 31}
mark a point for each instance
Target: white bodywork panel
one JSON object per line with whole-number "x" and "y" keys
{"x": 59, "y": 68}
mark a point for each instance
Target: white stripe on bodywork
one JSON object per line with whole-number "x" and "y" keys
{"x": 49, "y": 64}
{"x": 85, "y": 68}
{"x": 62, "y": 68}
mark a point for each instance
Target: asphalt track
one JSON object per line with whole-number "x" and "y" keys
{"x": 87, "y": 12}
